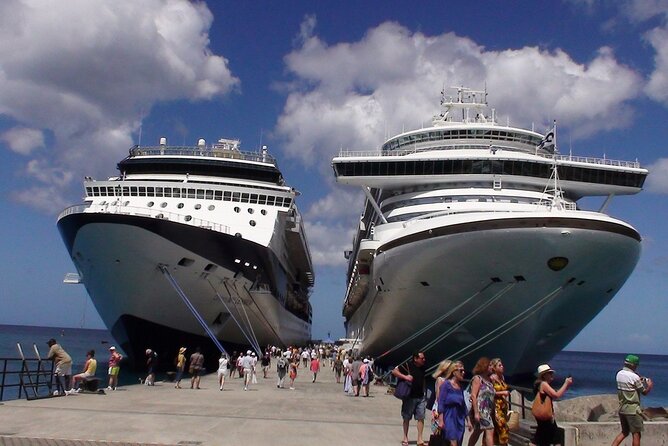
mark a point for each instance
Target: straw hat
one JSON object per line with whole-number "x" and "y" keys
{"x": 543, "y": 368}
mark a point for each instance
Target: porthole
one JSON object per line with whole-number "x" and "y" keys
{"x": 237, "y": 209}
{"x": 188, "y": 218}
{"x": 250, "y": 210}
{"x": 211, "y": 207}
{"x": 198, "y": 206}
{"x": 163, "y": 204}
{"x": 150, "y": 204}
{"x": 238, "y": 234}
{"x": 180, "y": 205}
{"x": 252, "y": 222}
{"x": 263, "y": 212}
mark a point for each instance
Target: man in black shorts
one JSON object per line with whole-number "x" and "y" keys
{"x": 413, "y": 406}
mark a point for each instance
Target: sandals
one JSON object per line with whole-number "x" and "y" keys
{"x": 404, "y": 443}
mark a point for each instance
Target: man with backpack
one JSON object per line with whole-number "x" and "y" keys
{"x": 282, "y": 368}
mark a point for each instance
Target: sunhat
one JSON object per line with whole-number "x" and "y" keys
{"x": 182, "y": 350}
{"x": 632, "y": 359}
{"x": 543, "y": 368}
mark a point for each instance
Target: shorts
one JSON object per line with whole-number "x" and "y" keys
{"x": 222, "y": 372}
{"x": 113, "y": 371}
{"x": 631, "y": 423}
{"x": 194, "y": 371}
{"x": 413, "y": 407}
{"x": 63, "y": 369}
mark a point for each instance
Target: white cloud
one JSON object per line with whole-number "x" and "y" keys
{"x": 331, "y": 223}
{"x": 85, "y": 70}
{"x": 657, "y": 87}
{"x": 353, "y": 94}
{"x": 23, "y": 140}
{"x": 657, "y": 180}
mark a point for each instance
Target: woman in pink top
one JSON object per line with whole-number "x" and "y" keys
{"x": 315, "y": 367}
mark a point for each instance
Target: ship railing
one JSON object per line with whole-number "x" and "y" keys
{"x": 203, "y": 152}
{"x": 31, "y": 377}
{"x": 150, "y": 213}
{"x": 545, "y": 204}
{"x": 559, "y": 158}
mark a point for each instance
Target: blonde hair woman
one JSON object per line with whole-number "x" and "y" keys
{"x": 452, "y": 417}
{"x": 440, "y": 376}
{"x": 501, "y": 402}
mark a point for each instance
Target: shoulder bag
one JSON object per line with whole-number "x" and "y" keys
{"x": 542, "y": 407}
{"x": 403, "y": 389}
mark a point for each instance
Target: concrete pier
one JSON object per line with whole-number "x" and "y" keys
{"x": 318, "y": 413}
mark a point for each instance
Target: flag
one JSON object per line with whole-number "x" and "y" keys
{"x": 549, "y": 141}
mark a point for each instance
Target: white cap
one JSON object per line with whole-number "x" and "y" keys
{"x": 112, "y": 348}
{"x": 248, "y": 352}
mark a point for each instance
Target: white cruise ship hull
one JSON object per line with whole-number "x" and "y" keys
{"x": 118, "y": 258}
{"x": 486, "y": 287}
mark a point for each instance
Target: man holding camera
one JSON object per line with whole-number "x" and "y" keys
{"x": 629, "y": 387}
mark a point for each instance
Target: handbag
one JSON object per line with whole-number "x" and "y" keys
{"x": 436, "y": 439}
{"x": 513, "y": 421}
{"x": 403, "y": 390}
{"x": 467, "y": 397}
{"x": 541, "y": 409}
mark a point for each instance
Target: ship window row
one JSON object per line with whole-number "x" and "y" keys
{"x": 174, "y": 192}
{"x": 488, "y": 166}
{"x": 457, "y": 199}
{"x": 439, "y": 135}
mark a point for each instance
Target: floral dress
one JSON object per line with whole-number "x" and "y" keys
{"x": 486, "y": 395}
{"x": 501, "y": 436}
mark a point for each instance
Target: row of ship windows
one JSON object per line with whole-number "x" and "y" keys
{"x": 496, "y": 135}
{"x": 458, "y": 199}
{"x": 202, "y": 194}
{"x": 505, "y": 167}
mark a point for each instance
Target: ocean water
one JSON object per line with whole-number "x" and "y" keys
{"x": 593, "y": 373}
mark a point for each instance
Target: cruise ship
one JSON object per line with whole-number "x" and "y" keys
{"x": 471, "y": 242}
{"x": 193, "y": 246}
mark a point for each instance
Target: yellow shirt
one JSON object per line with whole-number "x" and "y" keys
{"x": 91, "y": 366}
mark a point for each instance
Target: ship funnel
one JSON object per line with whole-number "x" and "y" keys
{"x": 201, "y": 142}
{"x": 163, "y": 141}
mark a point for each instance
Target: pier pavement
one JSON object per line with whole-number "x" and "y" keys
{"x": 314, "y": 413}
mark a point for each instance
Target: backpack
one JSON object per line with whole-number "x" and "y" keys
{"x": 282, "y": 364}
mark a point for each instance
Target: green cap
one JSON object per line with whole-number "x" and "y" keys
{"x": 632, "y": 359}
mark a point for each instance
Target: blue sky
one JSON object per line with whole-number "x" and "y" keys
{"x": 78, "y": 80}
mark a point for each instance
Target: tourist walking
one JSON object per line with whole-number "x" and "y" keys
{"x": 282, "y": 368}
{"x": 63, "y": 366}
{"x": 482, "y": 403}
{"x": 338, "y": 369}
{"x": 247, "y": 366}
{"x": 547, "y": 432}
{"x": 196, "y": 368}
{"x": 89, "y": 369}
{"x": 629, "y": 387}
{"x": 266, "y": 363}
{"x": 452, "y": 416}
{"x": 151, "y": 364}
{"x": 365, "y": 375}
{"x": 501, "y": 403}
{"x": 180, "y": 367}
{"x": 355, "y": 373}
{"x": 294, "y": 365}
{"x": 439, "y": 376}
{"x": 114, "y": 367}
{"x": 223, "y": 361}
{"x": 413, "y": 371}
{"x": 315, "y": 367}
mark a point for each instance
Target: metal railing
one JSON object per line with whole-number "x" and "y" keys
{"x": 146, "y": 212}
{"x": 33, "y": 378}
{"x": 213, "y": 152}
{"x": 562, "y": 158}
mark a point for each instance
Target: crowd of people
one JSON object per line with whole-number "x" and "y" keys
{"x": 480, "y": 404}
